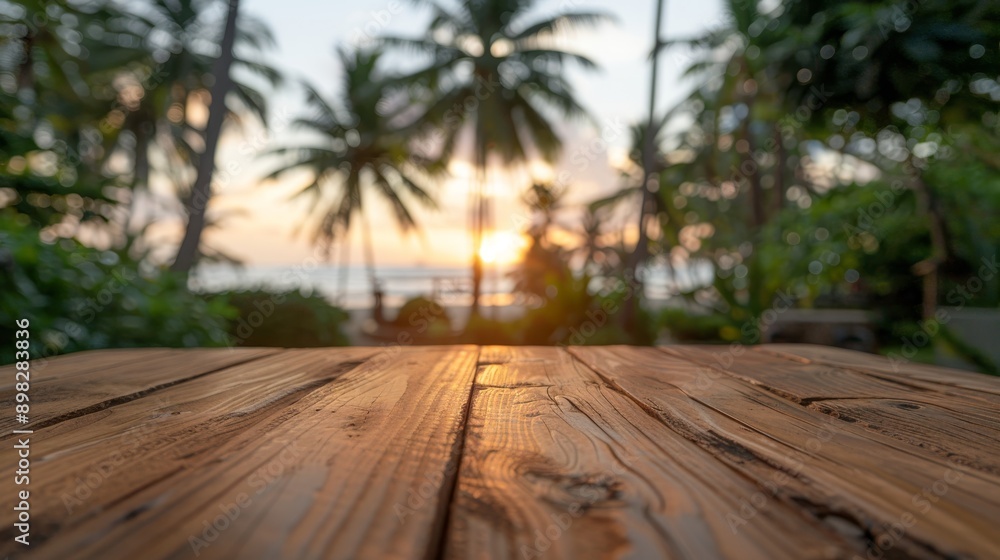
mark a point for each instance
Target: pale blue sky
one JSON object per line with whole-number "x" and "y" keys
{"x": 307, "y": 32}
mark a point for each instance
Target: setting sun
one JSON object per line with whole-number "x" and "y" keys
{"x": 502, "y": 247}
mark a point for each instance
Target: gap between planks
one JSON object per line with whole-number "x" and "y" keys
{"x": 55, "y": 391}
{"x": 644, "y": 487}
{"x": 408, "y": 414}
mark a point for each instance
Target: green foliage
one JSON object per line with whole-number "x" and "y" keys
{"x": 282, "y": 319}
{"x": 482, "y": 330}
{"x": 426, "y": 317}
{"x": 79, "y": 298}
{"x": 362, "y": 152}
{"x": 565, "y": 306}
{"x": 94, "y": 104}
{"x": 878, "y": 54}
{"x": 803, "y": 101}
{"x": 690, "y": 327}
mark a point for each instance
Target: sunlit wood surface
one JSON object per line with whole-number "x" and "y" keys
{"x": 691, "y": 452}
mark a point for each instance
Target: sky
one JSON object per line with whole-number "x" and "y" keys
{"x": 261, "y": 221}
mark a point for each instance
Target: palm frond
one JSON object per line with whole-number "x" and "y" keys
{"x": 562, "y": 22}
{"x": 532, "y": 55}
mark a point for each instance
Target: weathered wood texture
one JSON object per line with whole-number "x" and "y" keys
{"x": 683, "y": 452}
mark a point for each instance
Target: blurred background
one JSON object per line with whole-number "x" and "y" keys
{"x": 301, "y": 173}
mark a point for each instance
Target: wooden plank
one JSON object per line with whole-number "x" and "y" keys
{"x": 898, "y": 503}
{"x": 933, "y": 429}
{"x": 947, "y": 428}
{"x": 332, "y": 475}
{"x": 924, "y": 376}
{"x": 559, "y": 465}
{"x": 63, "y": 392}
{"x": 80, "y": 363}
{"x": 88, "y": 463}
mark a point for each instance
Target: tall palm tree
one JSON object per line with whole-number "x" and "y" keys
{"x": 187, "y": 254}
{"x": 649, "y": 155}
{"x": 496, "y": 73}
{"x": 154, "y": 57}
{"x": 644, "y": 165}
{"x": 361, "y": 147}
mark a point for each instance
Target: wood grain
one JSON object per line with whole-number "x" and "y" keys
{"x": 81, "y": 363}
{"x": 91, "y": 462}
{"x": 332, "y": 475}
{"x": 855, "y": 483}
{"x": 948, "y": 428}
{"x": 921, "y": 375}
{"x": 559, "y": 465}
{"x": 59, "y": 392}
{"x": 467, "y": 452}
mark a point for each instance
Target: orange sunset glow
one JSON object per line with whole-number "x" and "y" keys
{"x": 503, "y": 248}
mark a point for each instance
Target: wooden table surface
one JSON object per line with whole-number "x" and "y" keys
{"x": 688, "y": 452}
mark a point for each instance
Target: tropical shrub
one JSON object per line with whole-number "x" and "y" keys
{"x": 282, "y": 319}
{"x": 80, "y": 298}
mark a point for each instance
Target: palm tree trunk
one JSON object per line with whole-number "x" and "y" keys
{"x": 369, "y": 255}
{"x": 26, "y": 70}
{"x": 478, "y": 218}
{"x": 345, "y": 262}
{"x": 930, "y": 267}
{"x": 641, "y": 250}
{"x": 756, "y": 188}
{"x": 201, "y": 193}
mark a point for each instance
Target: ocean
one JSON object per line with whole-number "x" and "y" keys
{"x": 351, "y": 289}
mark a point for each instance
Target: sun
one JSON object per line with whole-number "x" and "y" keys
{"x": 502, "y": 247}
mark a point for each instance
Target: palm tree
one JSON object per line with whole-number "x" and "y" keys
{"x": 644, "y": 165}
{"x": 496, "y": 73}
{"x": 178, "y": 58}
{"x": 361, "y": 148}
{"x": 649, "y": 154}
{"x": 202, "y": 190}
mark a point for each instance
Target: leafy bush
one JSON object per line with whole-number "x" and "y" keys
{"x": 686, "y": 326}
{"x": 287, "y": 320}
{"x": 424, "y": 315}
{"x": 80, "y": 298}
